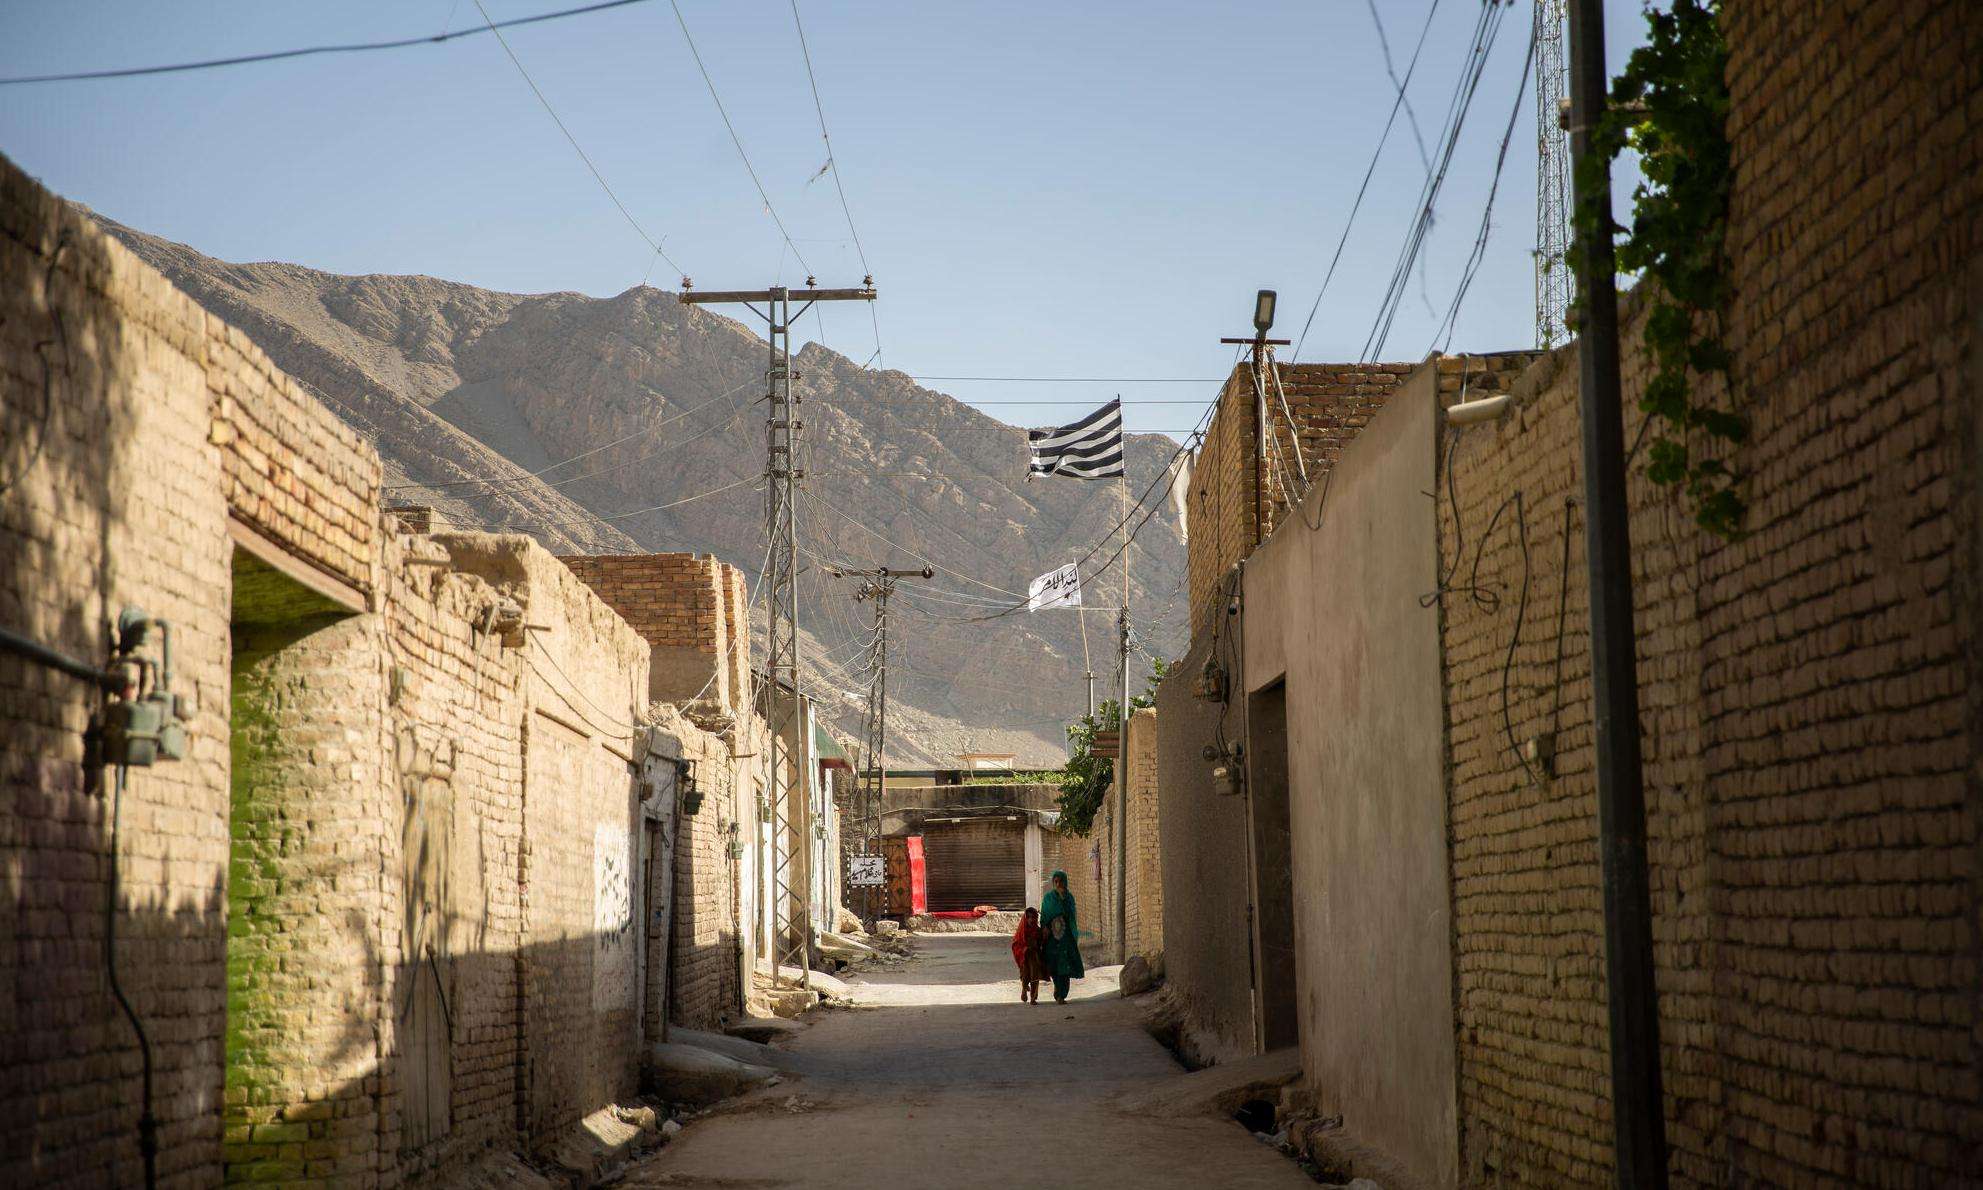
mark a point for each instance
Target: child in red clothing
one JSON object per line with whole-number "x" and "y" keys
{"x": 1028, "y": 951}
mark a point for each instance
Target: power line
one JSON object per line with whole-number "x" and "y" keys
{"x": 1368, "y": 173}
{"x": 1486, "y": 29}
{"x": 1080, "y": 379}
{"x": 618, "y": 516}
{"x": 734, "y": 138}
{"x": 833, "y": 164}
{"x": 553, "y": 112}
{"x": 1479, "y": 253}
{"x": 510, "y": 479}
{"x": 306, "y": 51}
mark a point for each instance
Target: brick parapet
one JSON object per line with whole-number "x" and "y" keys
{"x": 1236, "y": 499}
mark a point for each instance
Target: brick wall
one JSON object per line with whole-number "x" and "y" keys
{"x": 690, "y": 608}
{"x": 706, "y": 989}
{"x": 103, "y": 374}
{"x": 1236, "y": 499}
{"x": 1839, "y": 638}
{"x": 382, "y": 914}
{"x": 456, "y": 700}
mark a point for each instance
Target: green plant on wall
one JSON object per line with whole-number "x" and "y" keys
{"x": 1085, "y": 780}
{"x": 1670, "y": 106}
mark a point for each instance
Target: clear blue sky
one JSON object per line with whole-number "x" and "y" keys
{"x": 1043, "y": 189}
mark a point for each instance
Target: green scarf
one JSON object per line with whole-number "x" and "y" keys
{"x": 1063, "y": 954}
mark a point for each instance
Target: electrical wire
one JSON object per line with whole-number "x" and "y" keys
{"x": 351, "y": 48}
{"x": 587, "y": 520}
{"x": 624, "y": 438}
{"x": 1080, "y": 380}
{"x": 576, "y": 147}
{"x": 1487, "y": 29}
{"x": 1364, "y": 187}
{"x": 1479, "y": 253}
{"x": 147, "y": 1122}
{"x": 833, "y": 164}
{"x": 736, "y": 140}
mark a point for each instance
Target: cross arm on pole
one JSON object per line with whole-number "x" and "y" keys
{"x": 746, "y": 296}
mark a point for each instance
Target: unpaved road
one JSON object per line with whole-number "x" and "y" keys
{"x": 940, "y": 1078}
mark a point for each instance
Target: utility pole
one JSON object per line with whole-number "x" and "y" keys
{"x": 1122, "y": 795}
{"x": 1263, "y": 321}
{"x": 879, "y": 584}
{"x": 790, "y": 861}
{"x": 1554, "y": 287}
{"x": 1637, "y": 1107}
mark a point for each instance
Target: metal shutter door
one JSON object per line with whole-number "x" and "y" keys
{"x": 976, "y": 863}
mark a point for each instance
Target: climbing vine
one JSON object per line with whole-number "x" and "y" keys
{"x": 1085, "y": 780}
{"x": 1670, "y": 106}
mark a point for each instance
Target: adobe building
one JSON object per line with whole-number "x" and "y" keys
{"x": 433, "y": 866}
{"x": 1393, "y": 845}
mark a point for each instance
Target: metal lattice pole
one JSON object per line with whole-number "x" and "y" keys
{"x": 879, "y": 585}
{"x": 1555, "y": 280}
{"x": 790, "y": 861}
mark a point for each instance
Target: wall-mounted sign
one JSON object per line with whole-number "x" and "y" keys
{"x": 865, "y": 871}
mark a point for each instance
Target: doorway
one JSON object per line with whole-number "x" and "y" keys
{"x": 1276, "y": 1020}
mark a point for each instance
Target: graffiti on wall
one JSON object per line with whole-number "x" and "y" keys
{"x": 612, "y": 913}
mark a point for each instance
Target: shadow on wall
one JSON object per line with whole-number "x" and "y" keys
{"x": 81, "y": 498}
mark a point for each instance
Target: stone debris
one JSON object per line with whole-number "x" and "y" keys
{"x": 1137, "y": 976}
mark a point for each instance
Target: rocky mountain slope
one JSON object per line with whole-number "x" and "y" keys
{"x": 634, "y": 423}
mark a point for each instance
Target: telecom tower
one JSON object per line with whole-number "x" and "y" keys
{"x": 1555, "y": 288}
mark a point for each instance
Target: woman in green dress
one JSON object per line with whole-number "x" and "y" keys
{"x": 1062, "y": 947}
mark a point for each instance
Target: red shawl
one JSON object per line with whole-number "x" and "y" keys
{"x": 1026, "y": 942}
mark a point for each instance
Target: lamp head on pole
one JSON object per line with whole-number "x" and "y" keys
{"x": 1263, "y": 311}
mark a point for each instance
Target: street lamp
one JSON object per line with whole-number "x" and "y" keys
{"x": 1263, "y": 311}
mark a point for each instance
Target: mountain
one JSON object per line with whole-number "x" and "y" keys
{"x": 633, "y": 423}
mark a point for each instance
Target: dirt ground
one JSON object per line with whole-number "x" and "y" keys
{"x": 939, "y": 1077}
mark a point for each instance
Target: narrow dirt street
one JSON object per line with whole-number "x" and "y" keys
{"x": 940, "y": 1077}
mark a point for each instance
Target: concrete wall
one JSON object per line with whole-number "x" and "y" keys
{"x": 1335, "y": 612}
{"x": 1235, "y": 500}
{"x": 1204, "y": 852}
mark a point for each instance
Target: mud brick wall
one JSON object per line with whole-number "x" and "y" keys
{"x": 110, "y": 494}
{"x": 455, "y": 699}
{"x": 401, "y": 900}
{"x": 308, "y": 962}
{"x": 1204, "y": 855}
{"x": 1145, "y": 911}
{"x": 1235, "y": 499}
{"x": 1839, "y": 658}
{"x": 688, "y": 607}
{"x": 294, "y": 471}
{"x": 1528, "y": 922}
{"x": 706, "y": 961}
{"x": 585, "y": 690}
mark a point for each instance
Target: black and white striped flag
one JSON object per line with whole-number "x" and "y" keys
{"x": 1087, "y": 449}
